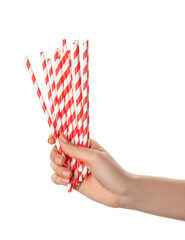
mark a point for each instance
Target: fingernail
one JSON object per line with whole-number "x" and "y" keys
{"x": 58, "y": 160}
{"x": 63, "y": 138}
{"x": 65, "y": 180}
{"x": 66, "y": 173}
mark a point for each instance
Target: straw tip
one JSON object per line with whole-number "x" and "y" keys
{"x": 76, "y": 42}
{"x": 64, "y": 41}
{"x": 56, "y": 55}
{"x": 86, "y": 41}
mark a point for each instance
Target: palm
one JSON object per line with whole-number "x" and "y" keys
{"x": 92, "y": 189}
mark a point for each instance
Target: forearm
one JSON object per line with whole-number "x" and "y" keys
{"x": 155, "y": 195}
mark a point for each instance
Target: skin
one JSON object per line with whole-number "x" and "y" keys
{"x": 111, "y": 185}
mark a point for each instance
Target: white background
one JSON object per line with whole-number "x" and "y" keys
{"x": 137, "y": 110}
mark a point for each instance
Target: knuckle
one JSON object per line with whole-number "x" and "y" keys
{"x": 53, "y": 178}
{"x": 51, "y": 154}
{"x": 55, "y": 167}
{"x": 51, "y": 163}
{"x": 56, "y": 179}
{"x": 74, "y": 148}
{"x": 96, "y": 155}
{"x": 60, "y": 172}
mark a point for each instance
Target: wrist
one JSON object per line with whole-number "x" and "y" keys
{"x": 126, "y": 198}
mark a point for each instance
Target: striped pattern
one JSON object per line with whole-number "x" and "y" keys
{"x": 78, "y": 97}
{"x": 50, "y": 100}
{"x": 42, "y": 102}
{"x": 60, "y": 90}
{"x": 56, "y": 121}
{"x": 69, "y": 90}
{"x": 77, "y": 173}
{"x": 85, "y": 101}
{"x": 60, "y": 94}
{"x": 54, "y": 97}
{"x": 68, "y": 102}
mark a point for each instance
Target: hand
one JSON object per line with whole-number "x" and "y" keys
{"x": 108, "y": 182}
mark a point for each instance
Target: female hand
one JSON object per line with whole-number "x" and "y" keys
{"x": 108, "y": 182}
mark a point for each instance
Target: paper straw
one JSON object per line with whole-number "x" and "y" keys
{"x": 59, "y": 89}
{"x": 85, "y": 101}
{"x": 66, "y": 102}
{"x": 66, "y": 92}
{"x": 75, "y": 127}
{"x": 68, "y": 105}
{"x": 42, "y": 102}
{"x": 78, "y": 90}
{"x": 88, "y": 93}
{"x": 74, "y": 140}
{"x": 54, "y": 97}
{"x": 50, "y": 100}
{"x": 61, "y": 98}
{"x": 78, "y": 95}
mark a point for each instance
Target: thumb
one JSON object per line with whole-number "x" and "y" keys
{"x": 75, "y": 151}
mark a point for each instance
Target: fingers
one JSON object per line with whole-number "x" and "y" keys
{"x": 59, "y": 180}
{"x": 61, "y": 171}
{"x": 81, "y": 153}
{"x": 56, "y": 157}
{"x": 61, "y": 174}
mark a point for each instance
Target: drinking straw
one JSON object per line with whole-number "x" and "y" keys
{"x": 50, "y": 100}
{"x": 88, "y": 93}
{"x": 54, "y": 97}
{"x": 58, "y": 127}
{"x": 61, "y": 98}
{"x": 59, "y": 89}
{"x": 78, "y": 94}
{"x": 74, "y": 140}
{"x": 85, "y": 102}
{"x": 75, "y": 133}
{"x": 68, "y": 105}
{"x": 75, "y": 127}
{"x": 68, "y": 77}
{"x": 42, "y": 102}
{"x": 64, "y": 82}
{"x": 66, "y": 101}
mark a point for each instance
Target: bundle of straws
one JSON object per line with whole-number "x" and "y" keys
{"x": 68, "y": 101}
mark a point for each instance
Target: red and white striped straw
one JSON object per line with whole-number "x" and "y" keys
{"x": 60, "y": 91}
{"x": 64, "y": 83}
{"x": 88, "y": 91}
{"x": 68, "y": 76}
{"x": 85, "y": 119}
{"x": 66, "y": 101}
{"x": 54, "y": 97}
{"x": 50, "y": 100}
{"x": 61, "y": 98}
{"x": 78, "y": 93}
{"x": 42, "y": 102}
{"x": 78, "y": 90}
